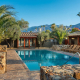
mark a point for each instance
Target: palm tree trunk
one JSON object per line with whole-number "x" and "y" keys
{"x": 13, "y": 43}
{"x": 8, "y": 43}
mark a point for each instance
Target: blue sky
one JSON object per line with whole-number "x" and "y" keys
{"x": 41, "y": 12}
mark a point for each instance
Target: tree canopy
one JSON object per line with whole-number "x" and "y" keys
{"x": 5, "y": 16}
{"x": 53, "y": 26}
{"x": 59, "y": 34}
{"x": 10, "y": 27}
{"x": 48, "y": 31}
{"x": 23, "y": 24}
{"x": 43, "y": 36}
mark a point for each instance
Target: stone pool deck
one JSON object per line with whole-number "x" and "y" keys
{"x": 16, "y": 70}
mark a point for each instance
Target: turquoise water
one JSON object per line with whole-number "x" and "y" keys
{"x": 36, "y": 58}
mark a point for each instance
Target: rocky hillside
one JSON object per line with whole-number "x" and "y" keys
{"x": 46, "y": 28}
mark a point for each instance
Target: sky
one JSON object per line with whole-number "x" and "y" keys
{"x": 42, "y": 12}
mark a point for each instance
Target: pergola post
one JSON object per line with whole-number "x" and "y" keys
{"x": 29, "y": 42}
{"x": 24, "y": 42}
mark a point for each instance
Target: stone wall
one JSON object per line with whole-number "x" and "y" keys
{"x": 47, "y": 43}
{"x": 3, "y": 48}
{"x": 3, "y": 56}
{"x": 65, "y": 72}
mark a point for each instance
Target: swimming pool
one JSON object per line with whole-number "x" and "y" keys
{"x": 36, "y": 58}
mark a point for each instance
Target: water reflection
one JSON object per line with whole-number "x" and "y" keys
{"x": 37, "y": 58}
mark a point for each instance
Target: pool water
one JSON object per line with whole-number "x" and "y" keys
{"x": 36, "y": 58}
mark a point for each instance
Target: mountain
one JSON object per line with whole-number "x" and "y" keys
{"x": 46, "y": 28}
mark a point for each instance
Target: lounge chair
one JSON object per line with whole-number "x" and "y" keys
{"x": 65, "y": 48}
{"x": 74, "y": 48}
{"x": 71, "y": 48}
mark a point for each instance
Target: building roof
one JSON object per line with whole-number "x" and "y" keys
{"x": 77, "y": 33}
{"x": 28, "y": 34}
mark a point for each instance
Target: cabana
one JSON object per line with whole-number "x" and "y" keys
{"x": 27, "y": 40}
{"x": 74, "y": 38}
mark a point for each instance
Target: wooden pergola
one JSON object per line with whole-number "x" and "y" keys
{"x": 27, "y": 39}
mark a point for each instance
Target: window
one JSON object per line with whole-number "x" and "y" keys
{"x": 22, "y": 41}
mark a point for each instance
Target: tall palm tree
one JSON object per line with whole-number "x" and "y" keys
{"x": 64, "y": 27}
{"x": 5, "y": 15}
{"x": 4, "y": 9}
{"x": 44, "y": 27}
{"x": 30, "y": 31}
{"x": 41, "y": 28}
{"x": 78, "y": 14}
{"x": 70, "y": 27}
{"x": 53, "y": 26}
{"x": 36, "y": 29}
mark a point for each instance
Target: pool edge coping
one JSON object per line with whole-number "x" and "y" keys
{"x": 61, "y": 52}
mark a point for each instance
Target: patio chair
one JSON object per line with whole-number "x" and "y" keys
{"x": 76, "y": 50}
{"x": 65, "y": 48}
{"x": 71, "y": 48}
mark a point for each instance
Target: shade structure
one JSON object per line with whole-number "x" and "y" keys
{"x": 27, "y": 40}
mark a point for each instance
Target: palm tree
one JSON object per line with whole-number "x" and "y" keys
{"x": 44, "y": 27}
{"x": 5, "y": 15}
{"x": 65, "y": 28}
{"x": 70, "y": 25}
{"x": 53, "y": 26}
{"x": 59, "y": 34}
{"x": 41, "y": 28}
{"x": 30, "y": 31}
{"x": 78, "y": 14}
{"x": 36, "y": 29}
